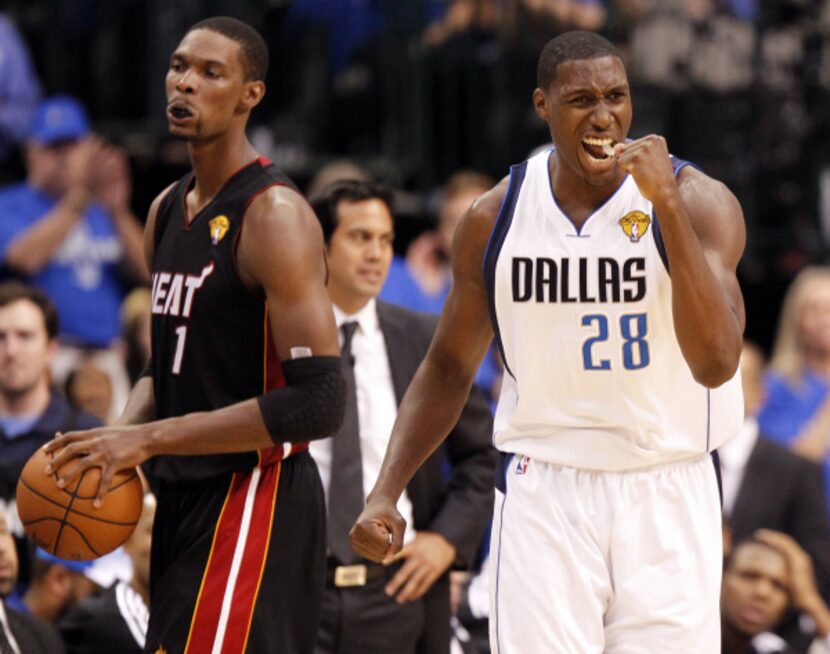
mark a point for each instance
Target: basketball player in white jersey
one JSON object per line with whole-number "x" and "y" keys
{"x": 605, "y": 269}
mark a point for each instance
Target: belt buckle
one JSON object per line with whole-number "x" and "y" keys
{"x": 349, "y": 576}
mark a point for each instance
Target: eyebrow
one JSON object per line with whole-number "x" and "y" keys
{"x": 567, "y": 93}
{"x": 204, "y": 62}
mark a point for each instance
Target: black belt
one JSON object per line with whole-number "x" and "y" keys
{"x": 357, "y": 574}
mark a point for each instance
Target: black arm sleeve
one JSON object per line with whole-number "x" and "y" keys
{"x": 311, "y": 405}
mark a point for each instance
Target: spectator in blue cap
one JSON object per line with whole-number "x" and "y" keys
{"x": 69, "y": 230}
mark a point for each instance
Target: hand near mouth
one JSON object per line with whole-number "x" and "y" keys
{"x": 647, "y": 161}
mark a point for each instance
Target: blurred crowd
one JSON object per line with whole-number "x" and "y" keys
{"x": 431, "y": 97}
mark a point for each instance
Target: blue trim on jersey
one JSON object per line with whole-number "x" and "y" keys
{"x": 498, "y": 570}
{"x": 502, "y": 466}
{"x": 494, "y": 245}
{"x": 677, "y": 165}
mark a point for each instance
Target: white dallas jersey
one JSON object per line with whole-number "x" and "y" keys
{"x": 594, "y": 378}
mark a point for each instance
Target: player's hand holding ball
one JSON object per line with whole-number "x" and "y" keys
{"x": 65, "y": 521}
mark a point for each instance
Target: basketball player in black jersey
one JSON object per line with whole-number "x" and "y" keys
{"x": 244, "y": 372}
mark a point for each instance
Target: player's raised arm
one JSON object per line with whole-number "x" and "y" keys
{"x": 704, "y": 235}
{"x": 438, "y": 391}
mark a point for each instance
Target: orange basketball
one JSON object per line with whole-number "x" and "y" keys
{"x": 63, "y": 521}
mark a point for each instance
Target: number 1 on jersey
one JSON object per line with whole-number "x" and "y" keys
{"x": 181, "y": 335}
{"x": 633, "y": 329}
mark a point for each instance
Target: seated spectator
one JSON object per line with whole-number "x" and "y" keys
{"x": 57, "y": 585}
{"x": 116, "y": 620}
{"x": 70, "y": 231}
{"x": 89, "y": 389}
{"x": 30, "y": 410}
{"x": 135, "y": 331}
{"x": 767, "y": 486}
{"x": 20, "y": 633}
{"x": 797, "y": 410}
{"x": 763, "y": 577}
{"x": 422, "y": 280}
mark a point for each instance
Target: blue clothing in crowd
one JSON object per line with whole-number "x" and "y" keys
{"x": 82, "y": 276}
{"x": 401, "y": 288}
{"x": 789, "y": 408}
{"x": 19, "y": 87}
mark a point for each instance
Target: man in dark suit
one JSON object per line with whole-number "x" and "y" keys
{"x": 767, "y": 486}
{"x": 402, "y": 608}
{"x": 20, "y": 633}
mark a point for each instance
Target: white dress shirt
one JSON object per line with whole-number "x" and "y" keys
{"x": 377, "y": 407}
{"x": 733, "y": 457}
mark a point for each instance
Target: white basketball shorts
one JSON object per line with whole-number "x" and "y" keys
{"x": 585, "y": 562}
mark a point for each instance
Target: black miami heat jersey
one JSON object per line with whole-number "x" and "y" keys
{"x": 211, "y": 343}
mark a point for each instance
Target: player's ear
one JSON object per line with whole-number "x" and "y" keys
{"x": 252, "y": 94}
{"x": 540, "y": 103}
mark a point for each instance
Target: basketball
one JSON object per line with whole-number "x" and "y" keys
{"x": 63, "y": 521}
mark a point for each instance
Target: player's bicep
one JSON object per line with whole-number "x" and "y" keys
{"x": 281, "y": 248}
{"x": 718, "y": 222}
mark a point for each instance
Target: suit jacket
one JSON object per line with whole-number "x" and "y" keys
{"x": 783, "y": 491}
{"x": 455, "y": 501}
{"x": 33, "y": 635}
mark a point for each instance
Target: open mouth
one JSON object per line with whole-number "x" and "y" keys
{"x": 598, "y": 149}
{"x": 180, "y": 113}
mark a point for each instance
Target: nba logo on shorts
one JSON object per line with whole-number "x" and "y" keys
{"x": 521, "y": 464}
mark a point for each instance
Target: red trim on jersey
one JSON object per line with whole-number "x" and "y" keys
{"x": 214, "y": 580}
{"x": 204, "y": 628}
{"x": 265, "y": 161}
{"x": 273, "y": 377}
{"x": 253, "y": 562}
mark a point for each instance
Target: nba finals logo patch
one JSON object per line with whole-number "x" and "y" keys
{"x": 219, "y": 226}
{"x": 635, "y": 225}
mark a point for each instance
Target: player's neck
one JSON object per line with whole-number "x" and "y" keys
{"x": 575, "y": 196}
{"x": 216, "y": 161}
{"x": 30, "y": 403}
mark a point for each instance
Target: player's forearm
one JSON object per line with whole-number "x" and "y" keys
{"x": 708, "y": 327}
{"x": 33, "y": 249}
{"x": 236, "y": 428}
{"x": 141, "y": 406}
{"x": 309, "y": 407}
{"x": 429, "y": 410}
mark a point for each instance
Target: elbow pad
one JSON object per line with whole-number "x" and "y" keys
{"x": 312, "y": 403}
